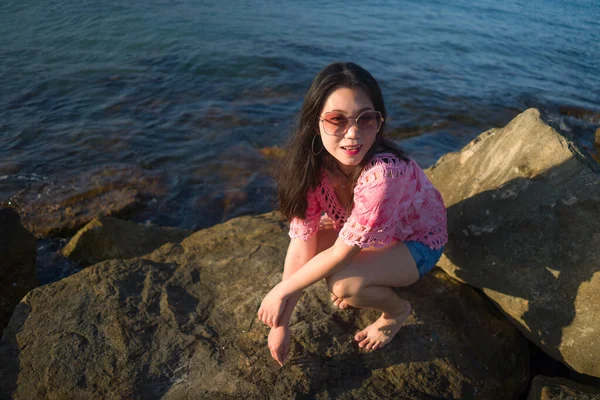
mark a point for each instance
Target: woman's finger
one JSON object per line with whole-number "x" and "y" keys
{"x": 279, "y": 357}
{"x": 275, "y": 356}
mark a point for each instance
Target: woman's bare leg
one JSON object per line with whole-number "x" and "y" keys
{"x": 367, "y": 283}
{"x": 326, "y": 239}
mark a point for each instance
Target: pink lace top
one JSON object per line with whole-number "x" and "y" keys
{"x": 393, "y": 201}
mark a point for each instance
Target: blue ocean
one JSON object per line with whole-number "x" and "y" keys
{"x": 195, "y": 89}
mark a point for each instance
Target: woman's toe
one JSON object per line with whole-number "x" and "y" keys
{"x": 364, "y": 342}
{"x": 360, "y": 336}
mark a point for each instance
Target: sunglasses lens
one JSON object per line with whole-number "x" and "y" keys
{"x": 369, "y": 123}
{"x": 335, "y": 124}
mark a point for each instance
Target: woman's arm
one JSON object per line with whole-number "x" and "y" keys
{"x": 319, "y": 267}
{"x": 298, "y": 254}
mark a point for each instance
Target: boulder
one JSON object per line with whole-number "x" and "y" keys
{"x": 546, "y": 388}
{"x": 17, "y": 263}
{"x": 180, "y": 323}
{"x": 523, "y": 220}
{"x": 59, "y": 207}
{"x": 108, "y": 238}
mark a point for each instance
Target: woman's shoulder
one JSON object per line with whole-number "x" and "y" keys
{"x": 385, "y": 165}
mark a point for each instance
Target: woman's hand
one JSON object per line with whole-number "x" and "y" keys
{"x": 279, "y": 344}
{"x": 272, "y": 307}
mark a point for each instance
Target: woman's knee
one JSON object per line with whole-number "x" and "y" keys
{"x": 344, "y": 287}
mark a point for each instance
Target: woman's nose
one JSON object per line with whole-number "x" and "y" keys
{"x": 352, "y": 130}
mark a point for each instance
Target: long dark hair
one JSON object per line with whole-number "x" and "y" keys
{"x": 300, "y": 168}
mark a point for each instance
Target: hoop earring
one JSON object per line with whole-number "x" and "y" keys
{"x": 312, "y": 147}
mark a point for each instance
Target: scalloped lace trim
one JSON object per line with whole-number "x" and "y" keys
{"x": 384, "y": 165}
{"x": 303, "y": 229}
{"x": 355, "y": 234}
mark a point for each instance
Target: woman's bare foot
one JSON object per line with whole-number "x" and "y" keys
{"x": 381, "y": 332}
{"x": 339, "y": 302}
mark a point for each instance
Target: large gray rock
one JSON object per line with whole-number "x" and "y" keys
{"x": 181, "y": 323}
{"x": 524, "y": 223}
{"x": 17, "y": 263}
{"x": 546, "y": 388}
{"x": 109, "y": 238}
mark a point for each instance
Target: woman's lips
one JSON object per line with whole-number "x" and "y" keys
{"x": 351, "y": 150}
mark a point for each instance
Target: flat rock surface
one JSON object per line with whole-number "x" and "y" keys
{"x": 523, "y": 218}
{"x": 107, "y": 238}
{"x": 181, "y": 323}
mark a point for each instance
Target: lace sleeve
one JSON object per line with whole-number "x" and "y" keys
{"x": 304, "y": 228}
{"x": 381, "y": 198}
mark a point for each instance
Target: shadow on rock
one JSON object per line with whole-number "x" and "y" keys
{"x": 523, "y": 204}
{"x": 536, "y": 255}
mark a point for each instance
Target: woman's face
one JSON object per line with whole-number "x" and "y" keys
{"x": 350, "y": 147}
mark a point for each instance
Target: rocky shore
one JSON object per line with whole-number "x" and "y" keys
{"x": 511, "y": 311}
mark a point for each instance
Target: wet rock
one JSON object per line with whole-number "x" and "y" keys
{"x": 545, "y": 388}
{"x": 181, "y": 323}
{"x": 9, "y": 168}
{"x": 274, "y": 153}
{"x": 60, "y": 207}
{"x": 597, "y": 145}
{"x": 242, "y": 185}
{"x": 17, "y": 263}
{"x": 523, "y": 205}
{"x": 592, "y": 116}
{"x": 109, "y": 238}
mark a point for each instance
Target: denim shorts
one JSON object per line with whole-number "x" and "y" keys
{"x": 425, "y": 257}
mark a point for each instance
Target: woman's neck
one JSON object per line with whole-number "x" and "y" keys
{"x": 344, "y": 170}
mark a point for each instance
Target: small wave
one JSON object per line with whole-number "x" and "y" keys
{"x": 28, "y": 178}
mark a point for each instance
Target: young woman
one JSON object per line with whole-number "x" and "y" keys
{"x": 385, "y": 223}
